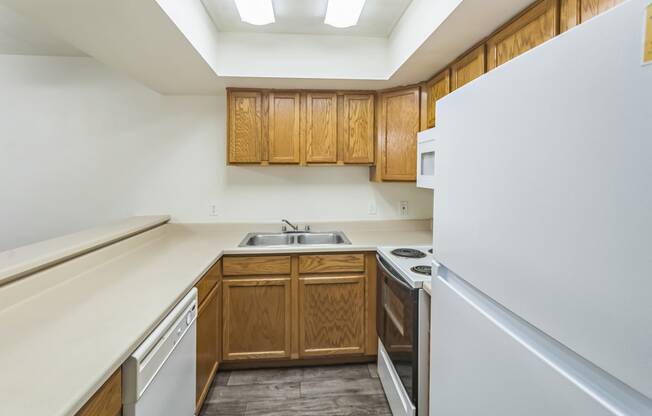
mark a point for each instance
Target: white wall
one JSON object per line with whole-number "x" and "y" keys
{"x": 81, "y": 145}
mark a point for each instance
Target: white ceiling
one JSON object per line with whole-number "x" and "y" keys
{"x": 306, "y": 17}
{"x": 175, "y": 47}
{"x": 20, "y": 36}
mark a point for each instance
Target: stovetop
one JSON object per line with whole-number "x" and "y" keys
{"x": 422, "y": 257}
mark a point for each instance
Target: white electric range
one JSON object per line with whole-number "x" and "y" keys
{"x": 403, "y": 325}
{"x": 413, "y": 263}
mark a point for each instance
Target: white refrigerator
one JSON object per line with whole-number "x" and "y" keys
{"x": 543, "y": 223}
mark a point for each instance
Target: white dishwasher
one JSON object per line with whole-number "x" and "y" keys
{"x": 158, "y": 379}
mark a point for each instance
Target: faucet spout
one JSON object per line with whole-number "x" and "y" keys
{"x": 294, "y": 227}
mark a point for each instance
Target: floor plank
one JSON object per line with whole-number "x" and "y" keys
{"x": 343, "y": 387}
{"x": 336, "y": 372}
{"x": 335, "y": 406}
{"x": 265, "y": 376}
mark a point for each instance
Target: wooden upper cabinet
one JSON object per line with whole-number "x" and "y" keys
{"x": 332, "y": 316}
{"x": 321, "y": 128}
{"x": 592, "y": 8}
{"x": 256, "y": 317}
{"x": 468, "y": 68}
{"x": 398, "y": 126}
{"x": 245, "y": 128}
{"x": 284, "y": 127}
{"x": 438, "y": 87}
{"x": 536, "y": 25}
{"x": 357, "y": 140}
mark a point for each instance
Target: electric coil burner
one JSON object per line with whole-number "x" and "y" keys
{"x": 422, "y": 269}
{"x": 409, "y": 253}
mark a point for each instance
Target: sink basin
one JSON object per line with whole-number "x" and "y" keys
{"x": 293, "y": 238}
{"x": 261, "y": 239}
{"x": 322, "y": 238}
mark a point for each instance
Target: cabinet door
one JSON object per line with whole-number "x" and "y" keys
{"x": 256, "y": 319}
{"x": 532, "y": 28}
{"x": 437, "y": 88}
{"x": 321, "y": 128}
{"x": 468, "y": 68}
{"x": 331, "y": 316}
{"x": 284, "y": 127}
{"x": 591, "y": 8}
{"x": 358, "y": 128}
{"x": 398, "y": 134}
{"x": 245, "y": 128}
{"x": 107, "y": 401}
{"x": 207, "y": 343}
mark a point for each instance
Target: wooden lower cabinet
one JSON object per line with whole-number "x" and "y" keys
{"x": 107, "y": 401}
{"x": 331, "y": 316}
{"x": 208, "y": 341}
{"x": 256, "y": 318}
{"x": 208, "y": 331}
{"x": 323, "y": 309}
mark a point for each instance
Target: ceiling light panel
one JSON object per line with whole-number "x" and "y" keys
{"x": 256, "y": 12}
{"x": 343, "y": 13}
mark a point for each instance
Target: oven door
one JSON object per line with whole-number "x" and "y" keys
{"x": 397, "y": 323}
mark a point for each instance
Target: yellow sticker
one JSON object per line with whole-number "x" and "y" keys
{"x": 647, "y": 48}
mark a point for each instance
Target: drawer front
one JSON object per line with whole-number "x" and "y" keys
{"x": 258, "y": 265}
{"x": 208, "y": 282}
{"x": 331, "y": 263}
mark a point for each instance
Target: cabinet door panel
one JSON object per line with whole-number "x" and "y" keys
{"x": 256, "y": 319}
{"x": 284, "y": 128}
{"x": 332, "y": 316}
{"x": 592, "y": 8}
{"x": 207, "y": 343}
{"x": 358, "y": 128}
{"x": 245, "y": 128}
{"x": 399, "y": 128}
{"x": 437, "y": 88}
{"x": 535, "y": 26}
{"x": 107, "y": 401}
{"x": 468, "y": 68}
{"x": 321, "y": 128}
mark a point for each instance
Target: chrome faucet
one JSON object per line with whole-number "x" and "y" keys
{"x": 294, "y": 227}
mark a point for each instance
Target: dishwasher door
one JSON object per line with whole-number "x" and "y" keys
{"x": 159, "y": 377}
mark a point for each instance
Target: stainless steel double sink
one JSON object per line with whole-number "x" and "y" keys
{"x": 294, "y": 238}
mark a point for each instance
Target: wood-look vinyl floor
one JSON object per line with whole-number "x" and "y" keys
{"x": 342, "y": 390}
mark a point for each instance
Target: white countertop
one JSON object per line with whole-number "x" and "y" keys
{"x": 66, "y": 329}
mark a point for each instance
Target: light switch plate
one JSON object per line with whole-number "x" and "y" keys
{"x": 373, "y": 210}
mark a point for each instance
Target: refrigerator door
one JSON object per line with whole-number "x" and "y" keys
{"x": 544, "y": 201}
{"x": 487, "y": 361}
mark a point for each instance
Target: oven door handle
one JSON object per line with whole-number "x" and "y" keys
{"x": 393, "y": 275}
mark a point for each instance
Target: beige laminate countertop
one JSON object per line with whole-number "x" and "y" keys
{"x": 66, "y": 329}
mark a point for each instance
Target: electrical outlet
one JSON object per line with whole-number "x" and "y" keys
{"x": 212, "y": 210}
{"x": 404, "y": 208}
{"x": 373, "y": 210}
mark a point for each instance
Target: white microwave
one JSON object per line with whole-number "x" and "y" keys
{"x": 426, "y": 159}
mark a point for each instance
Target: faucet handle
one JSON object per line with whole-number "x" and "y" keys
{"x": 307, "y": 228}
